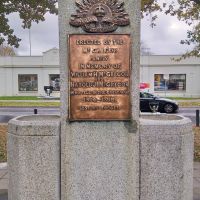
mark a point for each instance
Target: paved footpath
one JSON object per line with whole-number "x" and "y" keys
{"x": 4, "y": 181}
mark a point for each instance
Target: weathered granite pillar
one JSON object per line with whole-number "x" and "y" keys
{"x": 34, "y": 158}
{"x": 99, "y": 158}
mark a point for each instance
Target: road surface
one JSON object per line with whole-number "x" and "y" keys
{"x": 189, "y": 112}
{"x": 6, "y": 113}
{"x": 17, "y": 111}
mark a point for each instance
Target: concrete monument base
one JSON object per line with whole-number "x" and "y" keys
{"x": 100, "y": 163}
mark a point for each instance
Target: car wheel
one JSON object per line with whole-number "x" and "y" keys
{"x": 168, "y": 108}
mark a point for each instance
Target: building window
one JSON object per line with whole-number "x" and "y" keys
{"x": 28, "y": 82}
{"x": 163, "y": 82}
{"x": 54, "y": 80}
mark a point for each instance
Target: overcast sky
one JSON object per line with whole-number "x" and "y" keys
{"x": 164, "y": 39}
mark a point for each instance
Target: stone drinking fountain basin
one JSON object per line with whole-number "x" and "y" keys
{"x": 166, "y": 157}
{"x": 34, "y": 157}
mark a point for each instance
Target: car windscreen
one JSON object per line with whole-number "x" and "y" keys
{"x": 146, "y": 95}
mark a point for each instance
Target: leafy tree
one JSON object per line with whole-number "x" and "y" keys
{"x": 185, "y": 10}
{"x": 34, "y": 11}
{"x": 29, "y": 11}
{"x": 189, "y": 11}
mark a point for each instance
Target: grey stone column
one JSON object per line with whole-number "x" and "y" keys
{"x": 166, "y": 157}
{"x": 99, "y": 160}
{"x": 34, "y": 158}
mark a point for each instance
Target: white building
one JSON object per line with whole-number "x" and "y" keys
{"x": 171, "y": 78}
{"x": 27, "y": 75}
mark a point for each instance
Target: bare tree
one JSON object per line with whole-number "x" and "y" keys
{"x": 7, "y": 51}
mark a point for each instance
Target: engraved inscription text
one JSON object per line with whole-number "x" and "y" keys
{"x": 99, "y": 77}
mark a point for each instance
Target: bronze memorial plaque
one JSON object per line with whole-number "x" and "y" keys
{"x": 99, "y": 77}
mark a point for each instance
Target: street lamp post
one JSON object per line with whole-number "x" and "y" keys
{"x": 30, "y": 40}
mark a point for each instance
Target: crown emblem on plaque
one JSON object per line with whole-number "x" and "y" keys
{"x": 100, "y": 16}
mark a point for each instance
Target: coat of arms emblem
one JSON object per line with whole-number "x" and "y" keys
{"x": 100, "y": 16}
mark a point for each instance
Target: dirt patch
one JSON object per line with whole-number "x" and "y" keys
{"x": 3, "y": 141}
{"x": 196, "y": 143}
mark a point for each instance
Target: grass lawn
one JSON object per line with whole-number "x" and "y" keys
{"x": 19, "y": 98}
{"x": 13, "y": 101}
{"x": 55, "y": 104}
{"x": 186, "y": 102}
{"x": 189, "y": 104}
{"x": 182, "y": 98}
{"x": 36, "y": 98}
{"x": 3, "y": 140}
{"x": 29, "y": 104}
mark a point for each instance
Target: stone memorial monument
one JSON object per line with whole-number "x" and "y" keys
{"x": 99, "y": 148}
{"x": 99, "y": 58}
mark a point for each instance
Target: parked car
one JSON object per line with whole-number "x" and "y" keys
{"x": 164, "y": 105}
